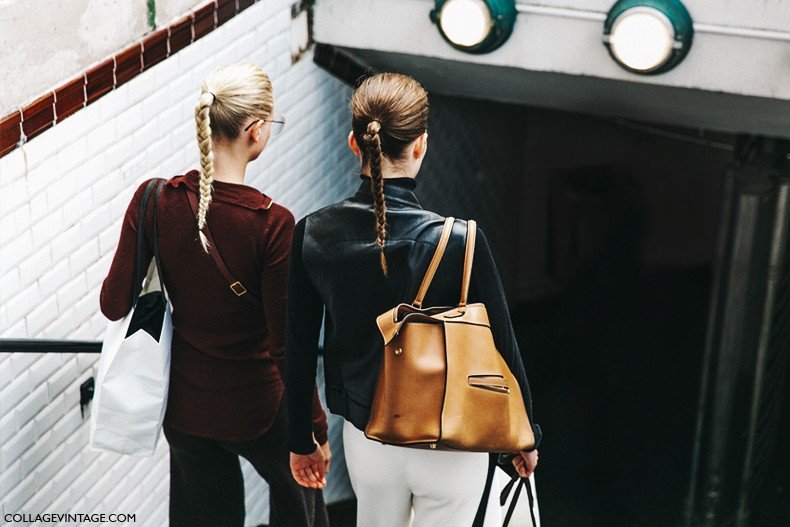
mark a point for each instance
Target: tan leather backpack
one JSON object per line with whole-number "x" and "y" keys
{"x": 442, "y": 382}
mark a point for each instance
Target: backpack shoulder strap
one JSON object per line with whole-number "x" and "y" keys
{"x": 437, "y": 258}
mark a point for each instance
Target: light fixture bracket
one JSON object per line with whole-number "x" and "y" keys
{"x": 503, "y": 18}
{"x": 674, "y": 11}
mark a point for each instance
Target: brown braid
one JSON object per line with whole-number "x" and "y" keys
{"x": 388, "y": 112}
{"x": 373, "y": 146}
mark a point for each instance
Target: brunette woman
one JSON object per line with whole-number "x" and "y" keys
{"x": 226, "y": 389}
{"x": 356, "y": 259}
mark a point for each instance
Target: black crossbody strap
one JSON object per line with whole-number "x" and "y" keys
{"x": 236, "y": 287}
{"x": 138, "y": 264}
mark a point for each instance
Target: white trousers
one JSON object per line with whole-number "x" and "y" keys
{"x": 402, "y": 487}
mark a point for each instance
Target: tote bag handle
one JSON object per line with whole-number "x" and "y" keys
{"x": 435, "y": 260}
{"x": 138, "y": 264}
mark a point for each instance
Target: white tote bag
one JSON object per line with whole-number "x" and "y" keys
{"x": 134, "y": 367}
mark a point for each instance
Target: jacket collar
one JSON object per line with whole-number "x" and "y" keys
{"x": 396, "y": 191}
{"x": 235, "y": 193}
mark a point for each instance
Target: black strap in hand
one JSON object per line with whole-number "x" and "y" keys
{"x": 519, "y": 482}
{"x": 516, "y": 480}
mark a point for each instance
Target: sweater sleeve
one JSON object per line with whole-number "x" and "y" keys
{"x": 486, "y": 287}
{"x": 274, "y": 292}
{"x": 303, "y": 326}
{"x": 274, "y": 280}
{"x": 115, "y": 298}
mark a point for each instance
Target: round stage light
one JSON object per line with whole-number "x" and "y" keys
{"x": 475, "y": 26}
{"x": 648, "y": 36}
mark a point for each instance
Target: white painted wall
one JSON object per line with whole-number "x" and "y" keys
{"x": 168, "y": 10}
{"x": 760, "y": 14}
{"x": 46, "y": 43}
{"x": 62, "y": 198}
{"x": 567, "y": 39}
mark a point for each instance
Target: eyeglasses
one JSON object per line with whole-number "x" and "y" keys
{"x": 278, "y": 123}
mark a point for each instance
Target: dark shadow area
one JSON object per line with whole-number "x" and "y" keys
{"x": 773, "y": 506}
{"x": 343, "y": 514}
{"x": 615, "y": 371}
{"x": 614, "y": 360}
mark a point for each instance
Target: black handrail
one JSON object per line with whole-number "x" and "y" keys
{"x": 57, "y": 346}
{"x": 49, "y": 346}
{"x": 60, "y": 346}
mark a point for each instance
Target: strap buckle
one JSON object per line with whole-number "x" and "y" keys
{"x": 238, "y": 288}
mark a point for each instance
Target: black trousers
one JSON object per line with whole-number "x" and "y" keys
{"x": 207, "y": 485}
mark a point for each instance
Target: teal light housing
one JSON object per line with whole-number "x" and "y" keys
{"x": 648, "y": 36}
{"x": 475, "y": 26}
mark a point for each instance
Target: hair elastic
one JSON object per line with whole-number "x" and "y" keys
{"x": 376, "y": 125}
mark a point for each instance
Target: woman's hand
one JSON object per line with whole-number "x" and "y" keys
{"x": 525, "y": 463}
{"x": 310, "y": 470}
{"x": 327, "y": 456}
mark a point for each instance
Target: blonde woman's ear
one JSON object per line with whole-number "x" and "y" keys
{"x": 255, "y": 131}
{"x": 352, "y": 143}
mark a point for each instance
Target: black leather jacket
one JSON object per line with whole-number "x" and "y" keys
{"x": 335, "y": 270}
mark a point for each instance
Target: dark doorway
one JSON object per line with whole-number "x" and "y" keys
{"x": 615, "y": 364}
{"x": 618, "y": 250}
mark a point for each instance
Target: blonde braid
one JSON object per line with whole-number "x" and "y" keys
{"x": 203, "y": 122}
{"x": 229, "y": 96}
{"x": 373, "y": 144}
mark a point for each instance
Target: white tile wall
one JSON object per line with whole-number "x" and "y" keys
{"x": 62, "y": 197}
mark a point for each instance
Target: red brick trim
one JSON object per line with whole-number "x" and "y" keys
{"x": 100, "y": 79}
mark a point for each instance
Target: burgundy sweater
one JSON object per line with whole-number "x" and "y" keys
{"x": 226, "y": 379}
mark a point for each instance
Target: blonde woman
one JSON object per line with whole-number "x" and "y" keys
{"x": 356, "y": 259}
{"x": 226, "y": 390}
